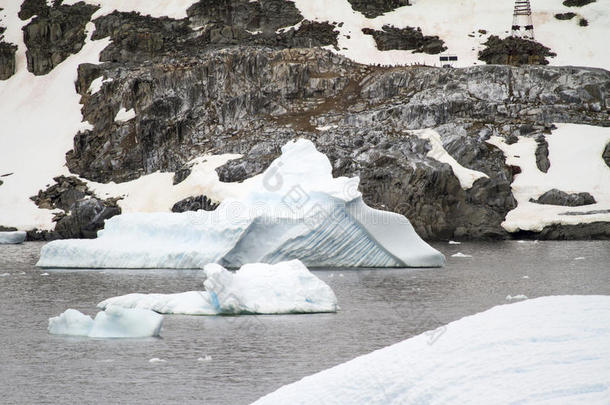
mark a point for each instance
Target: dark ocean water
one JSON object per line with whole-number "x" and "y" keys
{"x": 254, "y": 355}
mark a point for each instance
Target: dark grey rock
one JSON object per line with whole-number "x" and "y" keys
{"x": 593, "y": 212}
{"x": 606, "y": 155}
{"x": 542, "y": 154}
{"x": 375, "y": 8}
{"x": 54, "y": 34}
{"x": 63, "y": 194}
{"x": 514, "y": 51}
{"x": 594, "y": 230}
{"x": 407, "y": 38}
{"x": 7, "y": 60}
{"x": 7, "y": 229}
{"x": 195, "y": 204}
{"x": 565, "y": 16}
{"x": 87, "y": 216}
{"x": 577, "y": 3}
{"x": 558, "y": 197}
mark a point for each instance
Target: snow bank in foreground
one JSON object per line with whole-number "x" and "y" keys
{"x": 12, "y": 237}
{"x": 294, "y": 210}
{"x": 546, "y": 350}
{"x": 287, "y": 287}
{"x": 575, "y": 153}
{"x": 114, "y": 322}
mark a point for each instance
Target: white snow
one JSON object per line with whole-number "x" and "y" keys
{"x": 124, "y": 115}
{"x": 96, "y": 85}
{"x": 575, "y": 153}
{"x": 460, "y": 254}
{"x": 170, "y": 8}
{"x": 283, "y": 288}
{"x": 551, "y": 350}
{"x": 518, "y": 297}
{"x": 39, "y": 121}
{"x": 467, "y": 177}
{"x": 12, "y": 238}
{"x": 453, "y": 21}
{"x": 114, "y": 322}
{"x": 295, "y": 209}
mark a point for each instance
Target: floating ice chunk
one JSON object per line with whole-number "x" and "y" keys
{"x": 259, "y": 288}
{"x": 125, "y": 115}
{"x": 287, "y": 287}
{"x": 554, "y": 349}
{"x": 5, "y": 274}
{"x": 114, "y": 322}
{"x": 460, "y": 254}
{"x": 12, "y": 238}
{"x": 452, "y": 242}
{"x": 205, "y": 358}
{"x": 186, "y": 303}
{"x": 518, "y": 297}
{"x": 156, "y": 360}
{"x": 71, "y": 322}
{"x": 579, "y": 258}
{"x": 294, "y": 210}
{"x": 44, "y": 274}
{"x": 526, "y": 277}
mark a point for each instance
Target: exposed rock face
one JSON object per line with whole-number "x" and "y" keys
{"x": 374, "y": 8}
{"x": 194, "y": 204}
{"x": 86, "y": 217}
{"x": 577, "y": 3}
{"x": 56, "y": 33}
{"x": 83, "y": 214}
{"x": 542, "y": 154}
{"x": 407, "y": 38}
{"x": 594, "y": 230}
{"x": 558, "y": 197}
{"x": 251, "y": 100}
{"x": 514, "y": 51}
{"x": 7, "y": 60}
{"x": 606, "y": 155}
{"x": 565, "y": 16}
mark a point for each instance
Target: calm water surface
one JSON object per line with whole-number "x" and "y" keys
{"x": 254, "y": 355}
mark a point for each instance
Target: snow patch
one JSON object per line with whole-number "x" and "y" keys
{"x": 554, "y": 349}
{"x": 467, "y": 177}
{"x": 96, "y": 85}
{"x": 575, "y": 153}
{"x": 124, "y": 115}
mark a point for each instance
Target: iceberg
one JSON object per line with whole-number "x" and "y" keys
{"x": 257, "y": 288}
{"x": 545, "y": 350}
{"x": 294, "y": 210}
{"x": 114, "y": 322}
{"x": 12, "y": 238}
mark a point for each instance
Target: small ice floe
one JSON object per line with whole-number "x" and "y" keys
{"x": 156, "y": 360}
{"x": 205, "y": 358}
{"x": 453, "y": 242}
{"x": 331, "y": 275}
{"x": 526, "y": 277}
{"x": 114, "y": 322}
{"x": 5, "y": 274}
{"x": 44, "y": 274}
{"x": 516, "y": 297}
{"x": 340, "y": 274}
{"x": 579, "y": 258}
{"x": 460, "y": 254}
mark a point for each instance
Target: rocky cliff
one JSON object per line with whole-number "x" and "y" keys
{"x": 245, "y": 77}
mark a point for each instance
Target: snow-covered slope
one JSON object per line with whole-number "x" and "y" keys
{"x": 256, "y": 288}
{"x": 454, "y": 20}
{"x": 575, "y": 154}
{"x": 294, "y": 210}
{"x": 551, "y": 350}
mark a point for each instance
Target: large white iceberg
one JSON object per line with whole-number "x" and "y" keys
{"x": 294, "y": 210}
{"x": 551, "y": 350}
{"x": 114, "y": 322}
{"x": 287, "y": 287}
{"x": 12, "y": 238}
